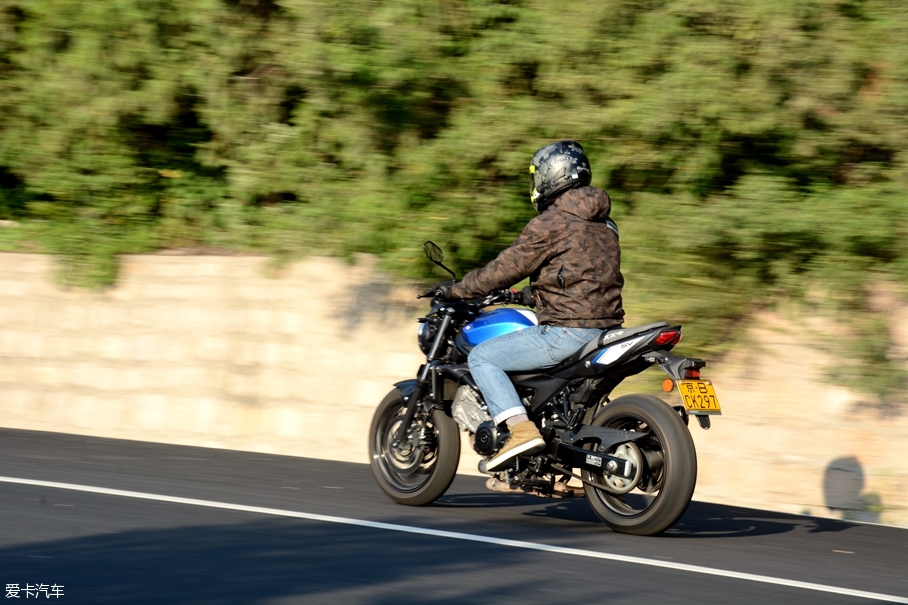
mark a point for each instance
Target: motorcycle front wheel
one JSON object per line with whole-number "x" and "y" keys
{"x": 667, "y": 462}
{"x": 420, "y": 468}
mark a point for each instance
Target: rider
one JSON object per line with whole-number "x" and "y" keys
{"x": 570, "y": 253}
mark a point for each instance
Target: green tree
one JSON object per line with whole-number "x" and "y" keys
{"x": 754, "y": 149}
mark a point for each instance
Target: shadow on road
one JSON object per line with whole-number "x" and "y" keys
{"x": 705, "y": 520}
{"x": 280, "y": 561}
{"x": 701, "y": 520}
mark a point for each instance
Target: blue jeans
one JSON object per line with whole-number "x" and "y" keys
{"x": 534, "y": 348}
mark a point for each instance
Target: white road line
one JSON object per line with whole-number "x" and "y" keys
{"x": 461, "y": 536}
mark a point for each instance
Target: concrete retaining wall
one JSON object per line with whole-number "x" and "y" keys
{"x": 210, "y": 351}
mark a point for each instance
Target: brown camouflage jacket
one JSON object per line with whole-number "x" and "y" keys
{"x": 571, "y": 254}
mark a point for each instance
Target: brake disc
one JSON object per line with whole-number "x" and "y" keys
{"x": 406, "y": 456}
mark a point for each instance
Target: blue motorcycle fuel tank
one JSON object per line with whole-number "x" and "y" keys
{"x": 496, "y": 323}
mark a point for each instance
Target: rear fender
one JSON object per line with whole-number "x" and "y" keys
{"x": 674, "y": 365}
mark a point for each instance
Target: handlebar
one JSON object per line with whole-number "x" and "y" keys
{"x": 504, "y": 297}
{"x": 495, "y": 297}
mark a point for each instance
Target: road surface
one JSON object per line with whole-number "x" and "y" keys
{"x": 108, "y": 521}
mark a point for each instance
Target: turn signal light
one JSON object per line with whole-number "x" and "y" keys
{"x": 668, "y": 337}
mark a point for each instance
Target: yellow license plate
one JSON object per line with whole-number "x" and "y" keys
{"x": 699, "y": 397}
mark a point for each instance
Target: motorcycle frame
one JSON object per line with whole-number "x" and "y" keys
{"x": 579, "y": 380}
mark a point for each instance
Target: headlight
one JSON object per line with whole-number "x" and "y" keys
{"x": 425, "y": 336}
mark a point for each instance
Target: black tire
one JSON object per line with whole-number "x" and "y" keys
{"x": 669, "y": 462}
{"x": 414, "y": 476}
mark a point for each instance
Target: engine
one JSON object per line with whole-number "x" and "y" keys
{"x": 468, "y": 409}
{"x": 472, "y": 415}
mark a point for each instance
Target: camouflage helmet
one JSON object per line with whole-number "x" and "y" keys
{"x": 556, "y": 168}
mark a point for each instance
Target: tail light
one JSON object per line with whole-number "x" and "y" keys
{"x": 668, "y": 384}
{"x": 669, "y": 337}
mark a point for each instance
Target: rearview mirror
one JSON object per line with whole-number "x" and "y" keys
{"x": 435, "y": 254}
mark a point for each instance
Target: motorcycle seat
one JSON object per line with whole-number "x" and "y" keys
{"x": 609, "y": 336}
{"x": 614, "y": 335}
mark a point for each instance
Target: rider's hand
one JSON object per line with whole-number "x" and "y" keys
{"x": 441, "y": 290}
{"x": 524, "y": 297}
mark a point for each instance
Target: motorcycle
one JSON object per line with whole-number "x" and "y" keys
{"x": 633, "y": 455}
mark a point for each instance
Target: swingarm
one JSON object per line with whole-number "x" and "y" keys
{"x": 598, "y": 461}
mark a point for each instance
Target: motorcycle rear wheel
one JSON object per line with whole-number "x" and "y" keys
{"x": 419, "y": 471}
{"x": 669, "y": 461}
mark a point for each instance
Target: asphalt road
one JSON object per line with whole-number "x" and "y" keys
{"x": 150, "y": 523}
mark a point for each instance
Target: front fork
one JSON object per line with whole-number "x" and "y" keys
{"x": 423, "y": 379}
